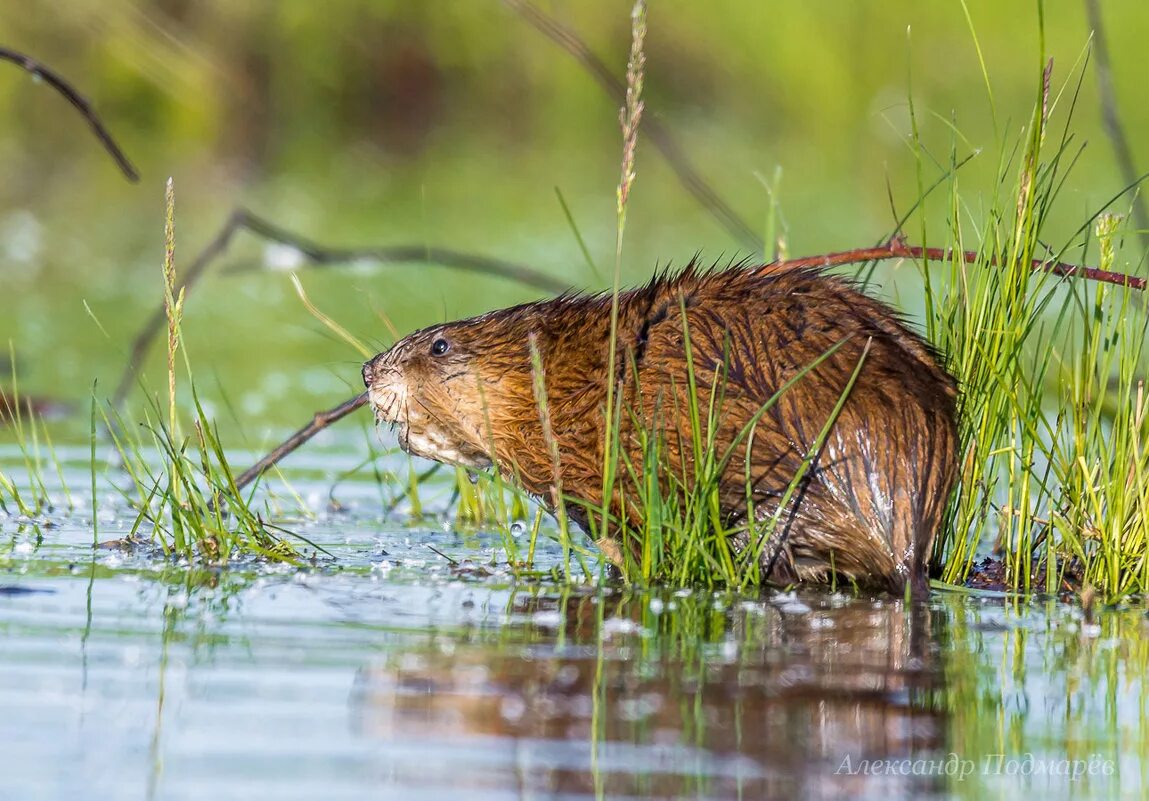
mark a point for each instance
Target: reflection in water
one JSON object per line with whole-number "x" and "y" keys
{"x": 126, "y": 677}
{"x": 635, "y": 696}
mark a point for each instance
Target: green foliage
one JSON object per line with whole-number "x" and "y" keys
{"x": 1052, "y": 429}
{"x": 683, "y": 538}
{"x": 192, "y": 505}
{"x": 28, "y": 496}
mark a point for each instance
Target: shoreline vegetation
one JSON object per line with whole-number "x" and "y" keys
{"x": 1054, "y": 435}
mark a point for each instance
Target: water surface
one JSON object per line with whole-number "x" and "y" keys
{"x": 391, "y": 672}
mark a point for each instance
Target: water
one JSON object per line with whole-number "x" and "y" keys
{"x": 391, "y": 672}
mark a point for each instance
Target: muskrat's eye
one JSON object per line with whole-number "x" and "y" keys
{"x": 440, "y": 346}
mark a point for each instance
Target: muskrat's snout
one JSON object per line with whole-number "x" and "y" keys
{"x": 369, "y": 370}
{"x": 385, "y": 386}
{"x": 381, "y": 369}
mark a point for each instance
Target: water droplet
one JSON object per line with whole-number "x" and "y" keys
{"x": 512, "y": 708}
{"x": 517, "y": 529}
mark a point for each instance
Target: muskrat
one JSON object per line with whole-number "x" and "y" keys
{"x": 868, "y": 509}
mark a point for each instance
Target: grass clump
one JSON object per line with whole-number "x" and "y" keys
{"x": 985, "y": 316}
{"x": 1088, "y": 524}
{"x": 684, "y": 538}
{"x": 192, "y": 504}
{"x": 37, "y": 453}
{"x": 1052, "y": 423}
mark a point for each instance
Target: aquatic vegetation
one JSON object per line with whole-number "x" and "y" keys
{"x": 28, "y": 494}
{"x": 191, "y": 506}
{"x": 1052, "y": 417}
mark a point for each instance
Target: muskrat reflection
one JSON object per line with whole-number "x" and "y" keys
{"x": 756, "y": 701}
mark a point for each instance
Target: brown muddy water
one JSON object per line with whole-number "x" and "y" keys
{"x": 389, "y": 672}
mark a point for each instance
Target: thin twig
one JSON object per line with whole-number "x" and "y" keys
{"x": 320, "y": 421}
{"x": 1113, "y": 127}
{"x": 652, "y": 128}
{"x": 897, "y": 248}
{"x": 453, "y": 562}
{"x": 320, "y": 256}
{"x": 79, "y": 102}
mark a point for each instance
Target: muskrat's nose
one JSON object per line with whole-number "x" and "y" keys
{"x": 368, "y": 372}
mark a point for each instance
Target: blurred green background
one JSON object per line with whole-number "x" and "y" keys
{"x": 452, "y": 124}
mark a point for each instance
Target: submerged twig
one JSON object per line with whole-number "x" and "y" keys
{"x": 897, "y": 248}
{"x": 652, "y": 128}
{"x": 320, "y": 255}
{"x": 78, "y": 102}
{"x": 1113, "y": 127}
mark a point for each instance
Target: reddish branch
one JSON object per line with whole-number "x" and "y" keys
{"x": 897, "y": 248}
{"x": 79, "y": 102}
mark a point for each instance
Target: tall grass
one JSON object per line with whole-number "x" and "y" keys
{"x": 1053, "y": 476}
{"x": 191, "y": 506}
{"x": 683, "y": 536}
{"x": 982, "y": 316}
{"x": 630, "y": 116}
{"x": 29, "y": 495}
{"x": 181, "y": 487}
{"x": 1054, "y": 471}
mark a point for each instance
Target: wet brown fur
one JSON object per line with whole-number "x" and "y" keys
{"x": 877, "y": 491}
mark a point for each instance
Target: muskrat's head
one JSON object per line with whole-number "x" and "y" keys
{"x": 438, "y": 387}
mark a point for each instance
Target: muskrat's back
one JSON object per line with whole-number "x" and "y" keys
{"x": 873, "y": 497}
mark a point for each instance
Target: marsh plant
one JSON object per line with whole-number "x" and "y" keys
{"x": 29, "y": 494}
{"x": 1052, "y": 421}
{"x": 191, "y": 506}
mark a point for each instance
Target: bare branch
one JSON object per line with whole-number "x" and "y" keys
{"x": 320, "y": 421}
{"x": 320, "y": 256}
{"x": 324, "y": 256}
{"x": 897, "y": 248}
{"x": 79, "y": 102}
